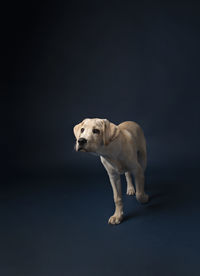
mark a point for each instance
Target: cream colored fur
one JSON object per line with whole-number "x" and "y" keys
{"x": 122, "y": 150}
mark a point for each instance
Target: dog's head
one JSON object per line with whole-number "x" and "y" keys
{"x": 93, "y": 134}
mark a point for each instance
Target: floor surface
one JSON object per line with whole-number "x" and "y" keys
{"x": 57, "y": 225}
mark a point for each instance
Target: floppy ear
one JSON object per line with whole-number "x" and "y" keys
{"x": 76, "y": 129}
{"x": 110, "y": 132}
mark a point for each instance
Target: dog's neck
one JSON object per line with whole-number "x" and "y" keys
{"x": 109, "y": 151}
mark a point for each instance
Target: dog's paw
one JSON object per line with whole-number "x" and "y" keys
{"x": 115, "y": 219}
{"x": 130, "y": 191}
{"x": 142, "y": 198}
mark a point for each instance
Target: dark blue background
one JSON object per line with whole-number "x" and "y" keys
{"x": 120, "y": 60}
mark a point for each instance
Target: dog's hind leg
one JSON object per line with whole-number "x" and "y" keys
{"x": 142, "y": 158}
{"x": 130, "y": 188}
{"x": 139, "y": 183}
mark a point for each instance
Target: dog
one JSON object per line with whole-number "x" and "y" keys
{"x": 122, "y": 150}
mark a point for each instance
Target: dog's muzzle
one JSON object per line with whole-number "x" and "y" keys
{"x": 81, "y": 143}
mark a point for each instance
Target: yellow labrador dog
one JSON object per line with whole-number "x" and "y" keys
{"x": 122, "y": 150}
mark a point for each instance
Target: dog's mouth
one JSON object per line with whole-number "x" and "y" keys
{"x": 81, "y": 149}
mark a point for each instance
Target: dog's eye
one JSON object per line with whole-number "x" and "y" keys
{"x": 82, "y": 129}
{"x": 96, "y": 131}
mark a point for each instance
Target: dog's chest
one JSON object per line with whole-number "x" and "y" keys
{"x": 117, "y": 165}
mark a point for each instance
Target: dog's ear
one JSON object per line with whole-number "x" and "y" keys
{"x": 110, "y": 132}
{"x": 77, "y": 128}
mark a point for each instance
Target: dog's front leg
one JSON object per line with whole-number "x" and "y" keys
{"x": 115, "y": 181}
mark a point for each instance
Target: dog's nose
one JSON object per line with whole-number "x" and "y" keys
{"x": 82, "y": 141}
